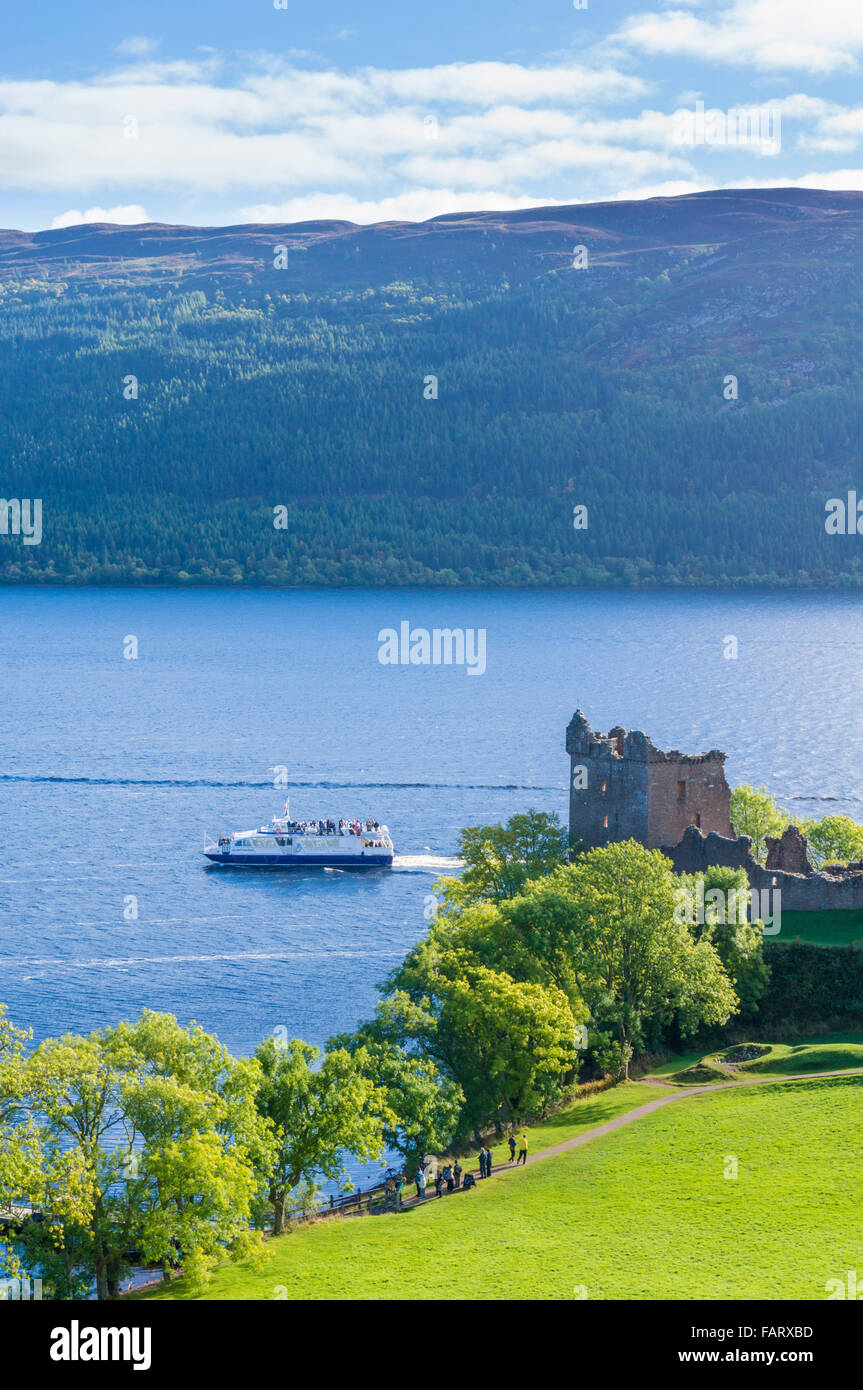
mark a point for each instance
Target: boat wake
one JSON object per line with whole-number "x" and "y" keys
{"x": 424, "y": 862}
{"x": 63, "y": 966}
{"x": 320, "y": 785}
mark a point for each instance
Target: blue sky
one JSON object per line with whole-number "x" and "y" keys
{"x": 232, "y": 112}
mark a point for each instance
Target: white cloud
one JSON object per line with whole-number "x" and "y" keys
{"x": 129, "y": 214}
{"x": 775, "y": 35}
{"x": 138, "y": 46}
{"x": 835, "y": 181}
{"x": 414, "y": 205}
{"x": 672, "y": 188}
{"x": 280, "y": 131}
{"x": 288, "y": 142}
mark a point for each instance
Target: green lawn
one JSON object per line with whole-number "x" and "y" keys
{"x": 644, "y": 1213}
{"x": 822, "y": 928}
{"x": 575, "y": 1118}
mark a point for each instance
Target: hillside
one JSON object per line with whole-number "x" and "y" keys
{"x": 305, "y": 387}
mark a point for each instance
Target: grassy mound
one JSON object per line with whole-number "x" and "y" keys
{"x": 648, "y": 1212}
{"x": 701, "y": 1074}
{"x": 830, "y": 1052}
{"x": 824, "y": 1054}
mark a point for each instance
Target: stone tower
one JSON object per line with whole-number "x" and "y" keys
{"x": 621, "y": 787}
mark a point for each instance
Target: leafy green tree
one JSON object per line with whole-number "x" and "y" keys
{"x": 422, "y": 1106}
{"x": 160, "y": 1123}
{"x": 508, "y": 1044}
{"x": 739, "y": 942}
{"x": 833, "y": 840}
{"x": 637, "y": 966}
{"x": 542, "y": 919}
{"x": 192, "y": 1108}
{"x": 755, "y": 813}
{"x": 49, "y": 1179}
{"x": 500, "y": 859}
{"x": 480, "y": 933}
{"x": 319, "y": 1114}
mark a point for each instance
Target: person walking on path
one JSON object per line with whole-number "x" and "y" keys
{"x": 448, "y": 1177}
{"x": 511, "y": 1147}
{"x": 522, "y": 1152}
{"x": 482, "y": 1162}
{"x": 487, "y": 1161}
{"x": 438, "y": 1183}
{"x": 420, "y": 1180}
{"x": 457, "y": 1172}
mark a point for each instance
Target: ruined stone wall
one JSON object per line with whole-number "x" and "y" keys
{"x": 684, "y": 791}
{"x": 800, "y": 892}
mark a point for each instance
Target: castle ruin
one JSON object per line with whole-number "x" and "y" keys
{"x": 622, "y": 787}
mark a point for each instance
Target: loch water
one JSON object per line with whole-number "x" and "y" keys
{"x": 113, "y": 769}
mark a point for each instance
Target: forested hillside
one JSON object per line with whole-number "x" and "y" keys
{"x": 558, "y": 385}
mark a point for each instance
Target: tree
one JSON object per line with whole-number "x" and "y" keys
{"x": 160, "y": 1123}
{"x": 422, "y": 1106}
{"x": 191, "y": 1107}
{"x": 543, "y": 922}
{"x": 508, "y": 1044}
{"x": 638, "y": 967}
{"x": 55, "y": 1181}
{"x": 739, "y": 942}
{"x": 833, "y": 840}
{"x": 500, "y": 859}
{"x": 755, "y": 813}
{"x": 318, "y": 1115}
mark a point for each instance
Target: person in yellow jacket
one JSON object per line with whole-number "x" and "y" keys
{"x": 522, "y": 1149}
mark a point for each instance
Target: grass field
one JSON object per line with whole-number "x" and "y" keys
{"x": 643, "y": 1213}
{"x": 822, "y": 928}
{"x": 575, "y": 1118}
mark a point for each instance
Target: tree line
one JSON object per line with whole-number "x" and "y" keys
{"x": 549, "y": 392}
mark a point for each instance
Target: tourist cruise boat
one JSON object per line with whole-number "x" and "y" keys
{"x": 293, "y": 844}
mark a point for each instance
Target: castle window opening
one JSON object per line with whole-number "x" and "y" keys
{"x": 697, "y": 821}
{"x": 681, "y": 789}
{"x": 604, "y": 785}
{"x": 605, "y": 822}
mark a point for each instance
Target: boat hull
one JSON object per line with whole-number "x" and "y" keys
{"x": 300, "y": 861}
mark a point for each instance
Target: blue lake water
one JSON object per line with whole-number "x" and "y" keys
{"x": 113, "y": 770}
